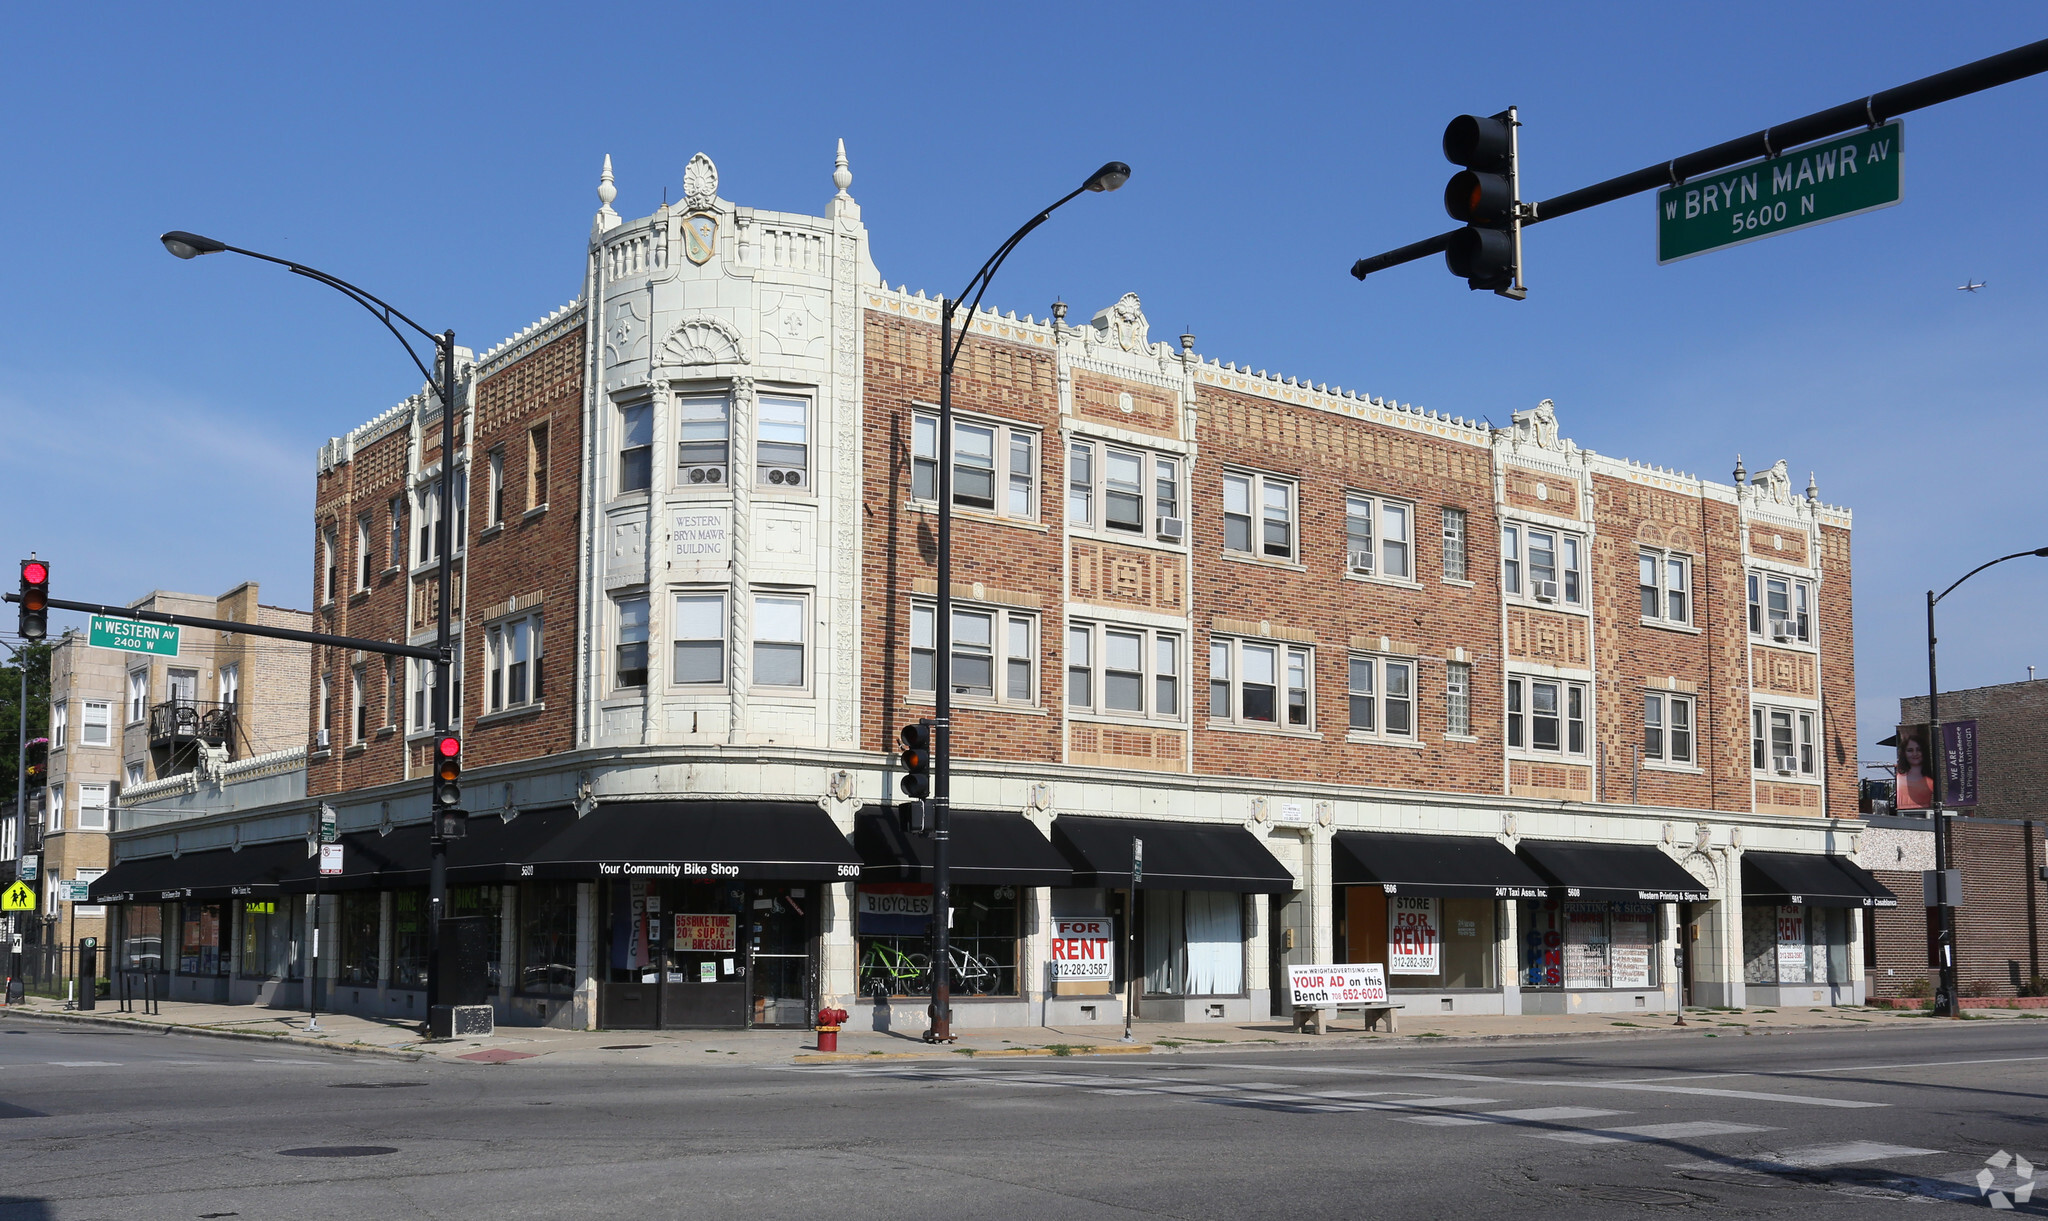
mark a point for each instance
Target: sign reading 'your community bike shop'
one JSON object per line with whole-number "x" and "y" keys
{"x": 1809, "y": 186}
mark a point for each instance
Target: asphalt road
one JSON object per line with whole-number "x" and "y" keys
{"x": 106, "y": 1124}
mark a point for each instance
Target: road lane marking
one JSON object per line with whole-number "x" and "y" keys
{"x": 1643, "y": 1133}
{"x": 85, "y": 1064}
{"x": 1814, "y": 1157}
{"x": 1848, "y": 1068}
{"x": 1548, "y": 1083}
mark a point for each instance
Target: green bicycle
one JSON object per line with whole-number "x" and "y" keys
{"x": 887, "y": 971}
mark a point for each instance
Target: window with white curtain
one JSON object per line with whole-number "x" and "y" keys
{"x": 779, "y": 640}
{"x": 97, "y": 726}
{"x": 92, "y": 807}
{"x": 512, "y": 663}
{"x": 138, "y": 695}
{"x": 1194, "y": 943}
{"x": 699, "y": 633}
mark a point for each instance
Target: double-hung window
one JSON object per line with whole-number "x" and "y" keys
{"x": 629, "y": 650}
{"x": 330, "y": 565}
{"x": 1257, "y": 683}
{"x": 1123, "y": 490}
{"x": 1382, "y": 696}
{"x": 512, "y": 663}
{"x": 636, "y": 447}
{"x": 365, "y": 561}
{"x": 96, "y": 728}
{"x": 994, "y": 654}
{"x": 779, "y": 640}
{"x": 1546, "y": 715}
{"x": 704, "y": 432}
{"x": 1544, "y": 565}
{"x": 1454, "y": 544}
{"x": 427, "y": 523}
{"x": 995, "y": 466}
{"x": 397, "y": 511}
{"x": 782, "y": 455}
{"x": 1377, "y": 536}
{"x": 1781, "y": 741}
{"x": 1667, "y": 728}
{"x": 494, "y": 492}
{"x": 1665, "y": 578}
{"x": 699, "y": 628}
{"x": 358, "y": 707}
{"x": 1778, "y": 608}
{"x": 1258, "y": 515}
{"x": 1118, "y": 670}
{"x": 60, "y": 717}
{"x": 138, "y": 695}
{"x": 92, "y": 810}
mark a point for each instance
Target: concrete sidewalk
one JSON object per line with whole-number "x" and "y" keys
{"x": 347, "y": 1033}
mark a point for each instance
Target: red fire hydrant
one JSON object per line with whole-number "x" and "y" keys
{"x": 829, "y": 1021}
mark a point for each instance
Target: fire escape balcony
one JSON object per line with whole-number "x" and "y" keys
{"x": 176, "y": 723}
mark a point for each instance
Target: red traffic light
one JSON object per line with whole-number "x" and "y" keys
{"x": 35, "y": 572}
{"x": 449, "y": 748}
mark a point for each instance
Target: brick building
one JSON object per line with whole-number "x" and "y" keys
{"x": 1997, "y": 844}
{"x": 1541, "y": 729}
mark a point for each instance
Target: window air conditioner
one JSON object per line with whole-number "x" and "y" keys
{"x": 1546, "y": 591}
{"x": 1170, "y": 529}
{"x": 704, "y": 474}
{"x": 1360, "y": 561}
{"x": 1784, "y": 629}
{"x": 1785, "y": 765}
{"x": 320, "y": 740}
{"x": 781, "y": 477}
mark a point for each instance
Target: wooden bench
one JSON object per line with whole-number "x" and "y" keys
{"x": 1372, "y": 1015}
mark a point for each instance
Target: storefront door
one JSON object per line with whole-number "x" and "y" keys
{"x": 684, "y": 955}
{"x": 780, "y": 925}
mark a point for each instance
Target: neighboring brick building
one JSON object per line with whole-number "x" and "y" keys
{"x": 1296, "y": 638}
{"x": 1998, "y": 845}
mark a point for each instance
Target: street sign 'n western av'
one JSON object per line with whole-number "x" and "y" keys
{"x": 1821, "y": 182}
{"x": 129, "y": 636}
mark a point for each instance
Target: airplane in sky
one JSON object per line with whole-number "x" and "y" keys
{"x": 1970, "y": 286}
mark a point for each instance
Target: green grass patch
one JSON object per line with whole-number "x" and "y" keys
{"x": 963, "y": 1051}
{"x": 1060, "y": 1049}
{"x": 1635, "y": 1024}
{"x": 1427, "y": 1034}
{"x": 1169, "y": 1044}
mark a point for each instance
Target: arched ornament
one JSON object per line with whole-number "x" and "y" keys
{"x": 1701, "y": 866}
{"x": 703, "y": 341}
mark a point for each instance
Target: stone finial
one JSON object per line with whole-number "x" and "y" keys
{"x": 1187, "y": 342}
{"x": 1812, "y": 489}
{"x": 606, "y": 192}
{"x": 1059, "y": 315}
{"x": 842, "y": 177}
{"x": 1741, "y": 472}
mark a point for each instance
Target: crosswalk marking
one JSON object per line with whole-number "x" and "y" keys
{"x": 1692, "y": 1130}
{"x": 1816, "y": 1156}
{"x": 85, "y": 1064}
{"x": 1556, "y": 1083}
{"x": 1523, "y": 1115}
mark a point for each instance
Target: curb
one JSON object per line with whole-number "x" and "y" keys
{"x": 207, "y": 1032}
{"x": 969, "y": 1053}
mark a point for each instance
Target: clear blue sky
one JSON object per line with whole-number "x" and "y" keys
{"x": 159, "y": 420}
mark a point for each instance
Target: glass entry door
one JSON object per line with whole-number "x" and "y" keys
{"x": 781, "y": 930}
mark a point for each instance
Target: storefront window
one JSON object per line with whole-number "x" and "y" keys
{"x": 1585, "y": 943}
{"x": 142, "y": 937}
{"x": 1792, "y": 944}
{"x": 1194, "y": 943}
{"x": 360, "y": 915}
{"x": 1426, "y": 943}
{"x": 486, "y": 903}
{"x": 199, "y": 939}
{"x": 270, "y": 939}
{"x": 674, "y": 932}
{"x": 547, "y": 938}
{"x": 896, "y": 947}
{"x": 409, "y": 939}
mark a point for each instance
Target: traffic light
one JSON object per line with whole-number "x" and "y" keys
{"x": 447, "y": 772}
{"x": 916, "y": 760}
{"x": 915, "y": 817}
{"x": 1486, "y": 196}
{"x": 35, "y": 600}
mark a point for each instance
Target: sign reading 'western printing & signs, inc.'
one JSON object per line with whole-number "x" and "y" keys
{"x": 1827, "y": 181}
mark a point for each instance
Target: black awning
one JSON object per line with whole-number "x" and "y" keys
{"x": 218, "y": 873}
{"x": 1178, "y": 855}
{"x": 1626, "y": 872}
{"x": 1448, "y": 866}
{"x": 987, "y": 846}
{"x": 1880, "y": 894}
{"x": 1804, "y": 879}
{"x": 789, "y": 840}
{"x": 493, "y": 850}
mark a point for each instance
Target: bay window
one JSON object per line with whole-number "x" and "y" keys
{"x": 699, "y": 629}
{"x": 782, "y": 455}
{"x": 704, "y": 440}
{"x": 629, "y": 652}
{"x": 512, "y": 663}
{"x": 1778, "y": 608}
{"x": 636, "y": 447}
{"x": 779, "y": 640}
{"x": 1781, "y": 741}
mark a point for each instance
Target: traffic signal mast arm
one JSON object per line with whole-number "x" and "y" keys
{"x": 425, "y": 652}
{"x": 1873, "y": 111}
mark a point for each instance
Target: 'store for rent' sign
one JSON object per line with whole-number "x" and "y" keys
{"x": 1821, "y": 182}
{"x": 1084, "y": 948}
{"x": 1324, "y": 987}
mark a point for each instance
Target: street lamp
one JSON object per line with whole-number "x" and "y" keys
{"x": 1108, "y": 178}
{"x": 190, "y": 246}
{"x": 1945, "y": 1002}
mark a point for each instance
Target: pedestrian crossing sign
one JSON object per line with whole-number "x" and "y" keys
{"x": 18, "y": 898}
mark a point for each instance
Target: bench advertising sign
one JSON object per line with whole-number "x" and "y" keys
{"x": 1414, "y": 944}
{"x": 1084, "y": 948}
{"x": 1325, "y": 987}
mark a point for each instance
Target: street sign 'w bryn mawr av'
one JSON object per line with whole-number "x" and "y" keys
{"x": 128, "y": 636}
{"x": 1821, "y": 182}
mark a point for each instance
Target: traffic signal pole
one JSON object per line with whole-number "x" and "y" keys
{"x": 1872, "y": 111}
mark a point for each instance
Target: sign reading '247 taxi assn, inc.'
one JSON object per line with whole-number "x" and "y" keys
{"x": 129, "y": 636}
{"x": 1809, "y": 186}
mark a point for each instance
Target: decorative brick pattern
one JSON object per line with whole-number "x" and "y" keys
{"x": 1782, "y": 671}
{"x": 1133, "y": 576}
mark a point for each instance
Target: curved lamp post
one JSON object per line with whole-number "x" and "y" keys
{"x": 1945, "y": 1001}
{"x": 191, "y": 246}
{"x": 1108, "y": 178}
